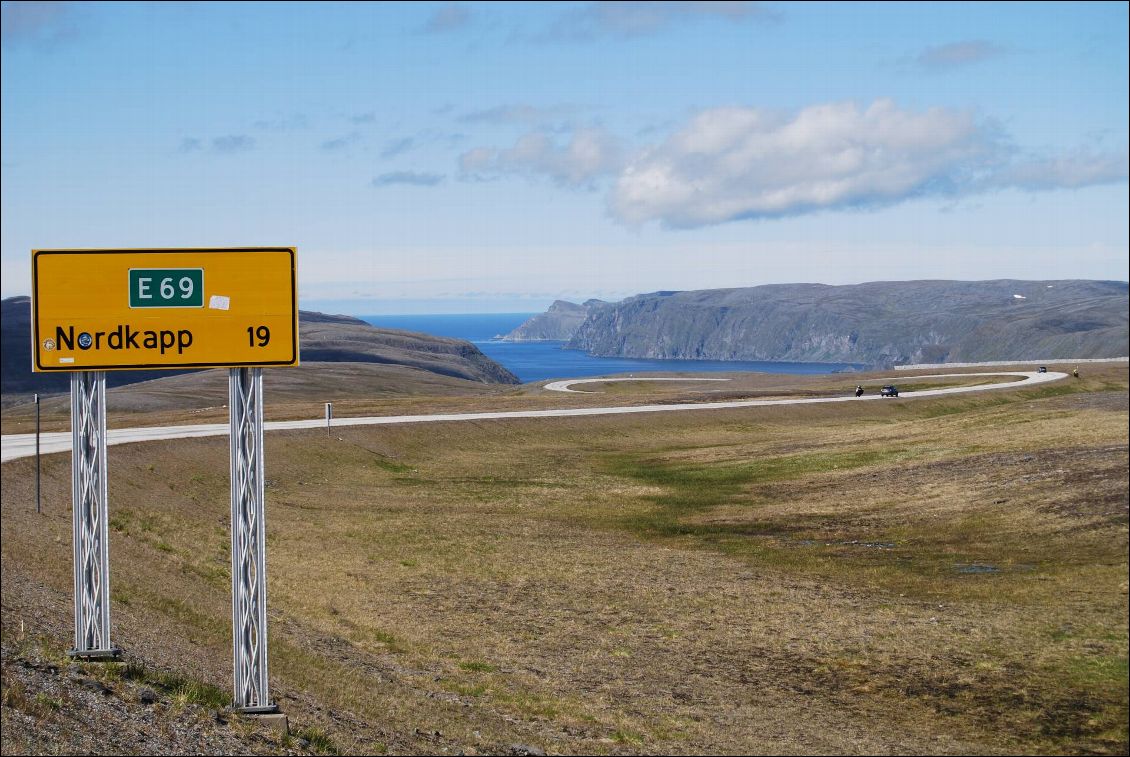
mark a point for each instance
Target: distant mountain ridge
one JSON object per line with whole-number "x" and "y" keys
{"x": 878, "y": 323}
{"x": 322, "y": 338}
{"x": 557, "y": 324}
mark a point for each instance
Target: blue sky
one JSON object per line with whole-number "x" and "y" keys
{"x": 494, "y": 157}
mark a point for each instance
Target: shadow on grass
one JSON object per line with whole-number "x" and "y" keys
{"x": 692, "y": 488}
{"x": 919, "y": 556}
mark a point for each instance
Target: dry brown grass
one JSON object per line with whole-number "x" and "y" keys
{"x": 765, "y": 580}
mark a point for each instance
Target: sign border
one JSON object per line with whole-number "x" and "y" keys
{"x": 38, "y": 367}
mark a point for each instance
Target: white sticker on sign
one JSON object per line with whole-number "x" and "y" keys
{"x": 219, "y": 302}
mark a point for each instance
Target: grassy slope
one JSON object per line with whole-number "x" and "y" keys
{"x": 937, "y": 576}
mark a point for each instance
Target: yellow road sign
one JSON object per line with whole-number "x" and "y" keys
{"x": 97, "y": 310}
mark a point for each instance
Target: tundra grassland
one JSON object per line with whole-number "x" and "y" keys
{"x": 359, "y": 389}
{"x": 944, "y": 575}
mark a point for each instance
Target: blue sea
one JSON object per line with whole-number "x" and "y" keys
{"x": 537, "y": 361}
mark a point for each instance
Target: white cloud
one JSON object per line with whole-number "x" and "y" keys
{"x": 958, "y": 54}
{"x": 232, "y": 143}
{"x": 521, "y": 113}
{"x": 340, "y": 143}
{"x": 42, "y": 24}
{"x": 1067, "y": 171}
{"x": 733, "y": 163}
{"x": 291, "y": 122}
{"x": 637, "y": 18}
{"x": 394, "y": 147}
{"x": 448, "y": 18}
{"x": 590, "y": 153}
{"x": 411, "y": 178}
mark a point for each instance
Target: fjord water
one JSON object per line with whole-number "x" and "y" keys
{"x": 537, "y": 361}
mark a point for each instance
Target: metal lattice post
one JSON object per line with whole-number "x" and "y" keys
{"x": 90, "y": 515}
{"x": 248, "y": 541}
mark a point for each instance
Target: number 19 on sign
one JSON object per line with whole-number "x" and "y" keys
{"x": 258, "y": 336}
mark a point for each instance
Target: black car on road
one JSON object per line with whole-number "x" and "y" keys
{"x": 890, "y": 390}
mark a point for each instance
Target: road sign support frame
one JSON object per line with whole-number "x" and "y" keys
{"x": 90, "y": 516}
{"x": 248, "y": 533}
{"x": 84, "y": 325}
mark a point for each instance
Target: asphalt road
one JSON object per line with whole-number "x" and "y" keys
{"x": 14, "y": 446}
{"x": 563, "y": 386}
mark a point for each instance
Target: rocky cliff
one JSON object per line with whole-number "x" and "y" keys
{"x": 874, "y": 323}
{"x": 557, "y": 324}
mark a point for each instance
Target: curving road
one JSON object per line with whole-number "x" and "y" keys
{"x": 563, "y": 386}
{"x": 14, "y": 446}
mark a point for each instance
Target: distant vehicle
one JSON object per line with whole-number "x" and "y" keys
{"x": 1043, "y": 369}
{"x": 890, "y": 390}
{"x": 859, "y": 390}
